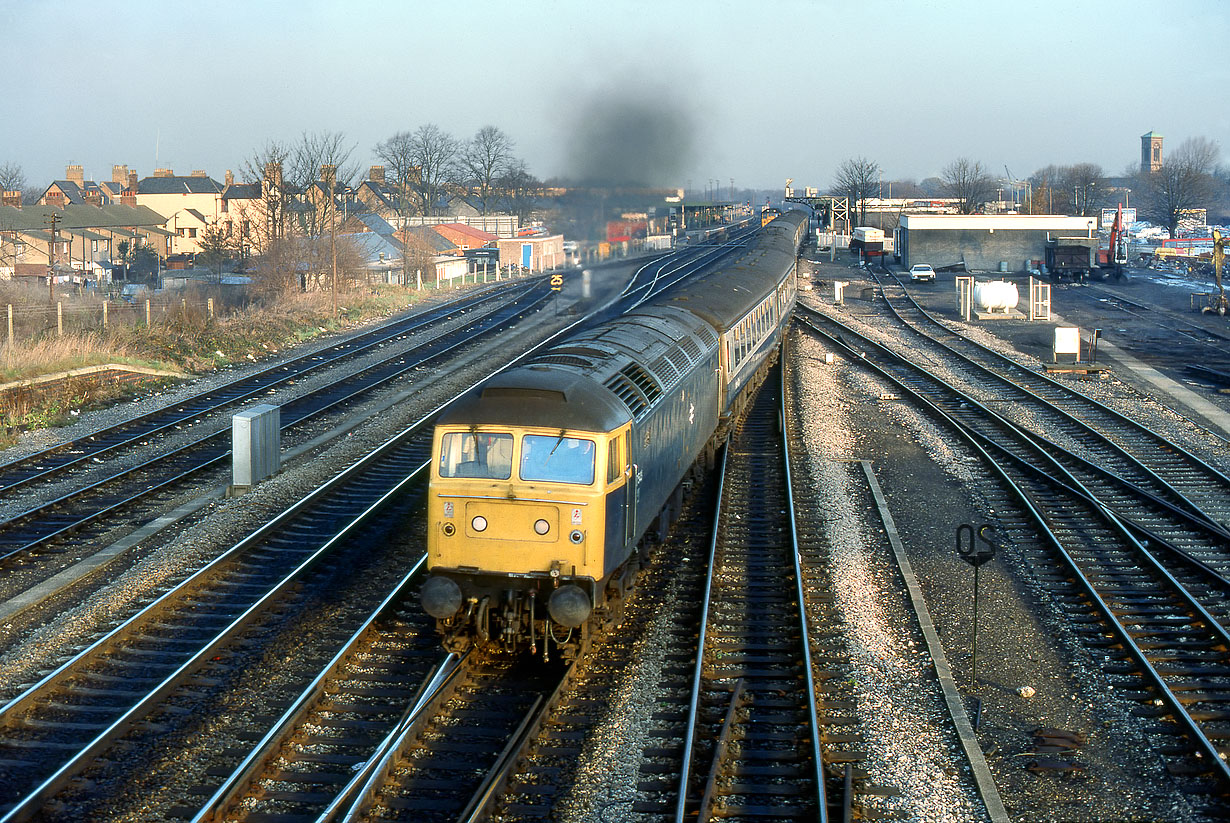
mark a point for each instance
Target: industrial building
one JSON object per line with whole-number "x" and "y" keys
{"x": 985, "y": 242}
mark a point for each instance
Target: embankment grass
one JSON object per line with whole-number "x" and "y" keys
{"x": 177, "y": 340}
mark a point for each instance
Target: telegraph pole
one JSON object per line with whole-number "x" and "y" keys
{"x": 52, "y": 219}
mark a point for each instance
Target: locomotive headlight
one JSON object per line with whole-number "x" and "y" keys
{"x": 541, "y": 527}
{"x": 479, "y": 524}
{"x": 449, "y": 529}
{"x": 576, "y": 536}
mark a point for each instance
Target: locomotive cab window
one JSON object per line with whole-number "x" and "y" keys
{"x": 557, "y": 459}
{"x": 476, "y": 454}
{"x": 614, "y": 466}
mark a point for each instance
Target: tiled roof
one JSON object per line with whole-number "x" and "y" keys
{"x": 376, "y": 224}
{"x": 469, "y": 231}
{"x": 430, "y": 239}
{"x": 242, "y": 191}
{"x": 178, "y": 185}
{"x": 79, "y": 217}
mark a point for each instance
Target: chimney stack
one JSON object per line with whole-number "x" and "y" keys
{"x": 163, "y": 173}
{"x": 230, "y": 178}
{"x": 199, "y": 173}
{"x": 119, "y": 175}
{"x": 376, "y": 174}
{"x": 75, "y": 174}
{"x": 132, "y": 182}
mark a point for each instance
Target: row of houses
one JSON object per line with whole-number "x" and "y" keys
{"x": 76, "y": 228}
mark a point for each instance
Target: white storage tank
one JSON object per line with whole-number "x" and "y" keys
{"x": 996, "y": 295}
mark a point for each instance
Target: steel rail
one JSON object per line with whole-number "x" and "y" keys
{"x": 368, "y": 379}
{"x": 222, "y": 396}
{"x": 689, "y": 739}
{"x": 248, "y": 769}
{"x": 818, "y": 759}
{"x": 1202, "y": 742}
{"x": 1190, "y": 514}
{"x": 29, "y": 804}
{"x": 1064, "y": 391}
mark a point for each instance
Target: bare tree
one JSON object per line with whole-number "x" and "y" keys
{"x": 12, "y": 178}
{"x": 435, "y": 152}
{"x": 402, "y": 174}
{"x": 1184, "y": 182}
{"x": 316, "y": 156}
{"x": 1078, "y": 189}
{"x": 520, "y": 190}
{"x": 1088, "y": 185}
{"x": 484, "y": 160}
{"x": 969, "y": 182}
{"x": 216, "y": 248}
{"x": 856, "y": 178}
{"x": 266, "y": 168}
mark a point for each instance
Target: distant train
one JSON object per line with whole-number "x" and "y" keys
{"x": 546, "y": 477}
{"x": 768, "y": 214}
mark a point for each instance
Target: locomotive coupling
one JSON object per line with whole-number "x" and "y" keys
{"x": 569, "y": 606}
{"x": 441, "y": 597}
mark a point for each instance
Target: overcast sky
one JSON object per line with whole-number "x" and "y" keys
{"x": 755, "y": 90}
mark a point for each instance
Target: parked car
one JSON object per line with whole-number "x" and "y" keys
{"x": 922, "y": 271}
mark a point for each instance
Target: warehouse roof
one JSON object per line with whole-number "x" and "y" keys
{"x": 1004, "y": 222}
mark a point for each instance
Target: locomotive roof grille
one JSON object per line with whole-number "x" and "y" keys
{"x": 565, "y": 360}
{"x": 679, "y": 359}
{"x": 516, "y": 392}
{"x": 643, "y": 380}
{"x": 635, "y": 387}
{"x": 626, "y": 390}
{"x": 664, "y": 367}
{"x": 689, "y": 346}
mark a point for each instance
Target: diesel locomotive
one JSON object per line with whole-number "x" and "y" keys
{"x": 545, "y": 478}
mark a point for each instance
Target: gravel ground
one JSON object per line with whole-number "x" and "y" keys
{"x": 932, "y": 485}
{"x": 58, "y": 627}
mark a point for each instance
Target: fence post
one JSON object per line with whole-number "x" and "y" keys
{"x": 147, "y": 313}
{"x": 59, "y": 318}
{"x": 184, "y": 307}
{"x": 104, "y": 315}
{"x": 210, "y": 303}
{"x": 10, "y": 324}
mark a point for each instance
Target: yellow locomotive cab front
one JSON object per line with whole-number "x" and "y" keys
{"x": 512, "y": 502}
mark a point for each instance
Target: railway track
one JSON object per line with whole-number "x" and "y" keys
{"x": 60, "y": 725}
{"x": 94, "y": 504}
{"x": 52, "y": 461}
{"x": 445, "y": 763}
{"x": 330, "y": 738}
{"x": 753, "y": 747}
{"x": 1114, "y": 440}
{"x": 1153, "y": 617}
{"x": 1150, "y": 503}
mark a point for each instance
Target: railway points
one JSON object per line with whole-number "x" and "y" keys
{"x": 575, "y": 748}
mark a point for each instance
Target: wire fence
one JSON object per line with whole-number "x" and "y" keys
{"x": 28, "y": 322}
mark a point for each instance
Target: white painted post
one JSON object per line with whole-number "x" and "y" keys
{"x": 60, "y": 318}
{"x": 104, "y": 314}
